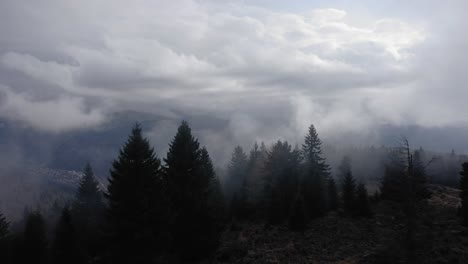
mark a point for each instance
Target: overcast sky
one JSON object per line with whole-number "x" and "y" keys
{"x": 267, "y": 66}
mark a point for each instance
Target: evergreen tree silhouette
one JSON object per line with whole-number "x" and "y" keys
{"x": 332, "y": 194}
{"x": 136, "y": 214}
{"x": 215, "y": 204}
{"x": 316, "y": 173}
{"x": 252, "y": 189}
{"x": 419, "y": 177}
{"x": 88, "y": 212}
{"x": 4, "y": 226}
{"x": 464, "y": 193}
{"x": 298, "y": 218}
{"x": 190, "y": 191}
{"x": 348, "y": 186}
{"x": 4, "y": 241}
{"x": 236, "y": 174}
{"x": 35, "y": 245}
{"x": 65, "y": 245}
{"x": 281, "y": 181}
{"x": 362, "y": 206}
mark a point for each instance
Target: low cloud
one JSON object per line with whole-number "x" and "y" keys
{"x": 270, "y": 72}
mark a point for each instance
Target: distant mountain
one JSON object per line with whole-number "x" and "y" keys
{"x": 70, "y": 150}
{"x": 29, "y": 187}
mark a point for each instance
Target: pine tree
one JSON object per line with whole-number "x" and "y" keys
{"x": 348, "y": 186}
{"x": 88, "y": 199}
{"x": 189, "y": 189}
{"x": 298, "y": 218}
{"x": 65, "y": 245}
{"x": 392, "y": 182}
{"x": 316, "y": 173}
{"x": 419, "y": 177}
{"x": 4, "y": 225}
{"x": 332, "y": 194}
{"x": 405, "y": 183}
{"x": 281, "y": 181}
{"x": 135, "y": 222}
{"x": 35, "y": 244}
{"x": 4, "y": 235}
{"x": 362, "y": 206}
{"x": 215, "y": 204}
{"x": 253, "y": 186}
{"x": 464, "y": 193}
{"x": 452, "y": 170}
{"x": 405, "y": 178}
{"x": 236, "y": 173}
{"x": 237, "y": 184}
{"x": 88, "y": 211}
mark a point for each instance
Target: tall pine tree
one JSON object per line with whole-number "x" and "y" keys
{"x": 135, "y": 222}
{"x": 236, "y": 173}
{"x": 281, "y": 181}
{"x": 4, "y": 225}
{"x": 362, "y": 205}
{"x": 89, "y": 198}
{"x": 255, "y": 172}
{"x": 348, "y": 186}
{"x": 332, "y": 194}
{"x": 215, "y": 204}
{"x": 4, "y": 242}
{"x": 316, "y": 173}
{"x": 298, "y": 218}
{"x": 65, "y": 245}
{"x": 88, "y": 211}
{"x": 189, "y": 188}
{"x": 35, "y": 245}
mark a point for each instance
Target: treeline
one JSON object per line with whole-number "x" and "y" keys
{"x": 175, "y": 210}
{"x": 153, "y": 211}
{"x": 293, "y": 185}
{"x": 369, "y": 162}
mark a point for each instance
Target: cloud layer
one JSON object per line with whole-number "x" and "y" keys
{"x": 66, "y": 65}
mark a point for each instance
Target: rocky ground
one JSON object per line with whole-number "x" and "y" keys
{"x": 336, "y": 239}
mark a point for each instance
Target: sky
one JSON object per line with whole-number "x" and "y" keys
{"x": 269, "y": 67}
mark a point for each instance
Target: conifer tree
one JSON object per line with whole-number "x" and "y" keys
{"x": 452, "y": 169}
{"x": 189, "y": 189}
{"x": 35, "y": 245}
{"x": 4, "y": 242}
{"x": 405, "y": 179}
{"x": 404, "y": 182}
{"x": 348, "y": 186}
{"x": 253, "y": 186}
{"x": 135, "y": 222}
{"x": 89, "y": 198}
{"x": 236, "y": 173}
{"x": 419, "y": 177}
{"x": 362, "y": 206}
{"x": 332, "y": 194}
{"x": 215, "y": 204}
{"x": 65, "y": 245}
{"x": 4, "y": 225}
{"x": 237, "y": 188}
{"x": 298, "y": 218}
{"x": 281, "y": 181}
{"x": 464, "y": 193}
{"x": 316, "y": 173}
{"x": 88, "y": 212}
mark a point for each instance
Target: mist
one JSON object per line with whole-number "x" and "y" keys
{"x": 250, "y": 78}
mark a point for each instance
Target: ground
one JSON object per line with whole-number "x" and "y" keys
{"x": 335, "y": 239}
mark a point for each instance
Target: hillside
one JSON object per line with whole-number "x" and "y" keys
{"x": 35, "y": 188}
{"x": 335, "y": 239}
